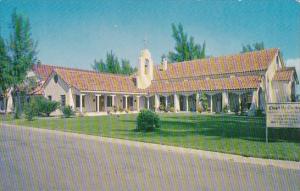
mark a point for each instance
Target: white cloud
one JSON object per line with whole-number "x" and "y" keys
{"x": 296, "y": 63}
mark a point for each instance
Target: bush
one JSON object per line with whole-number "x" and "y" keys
{"x": 147, "y": 121}
{"x": 199, "y": 109}
{"x": 67, "y": 111}
{"x": 172, "y": 109}
{"x": 259, "y": 113}
{"x": 121, "y": 109}
{"x": 45, "y": 106}
{"x": 30, "y": 110}
{"x": 115, "y": 109}
{"x": 226, "y": 109}
{"x": 162, "y": 108}
{"x": 167, "y": 109}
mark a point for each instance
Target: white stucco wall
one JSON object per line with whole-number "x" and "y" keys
{"x": 55, "y": 90}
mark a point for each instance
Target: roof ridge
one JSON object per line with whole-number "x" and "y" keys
{"x": 224, "y": 56}
{"x": 82, "y": 70}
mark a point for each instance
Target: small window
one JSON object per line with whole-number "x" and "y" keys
{"x": 146, "y": 66}
{"x": 50, "y": 97}
{"x": 109, "y": 101}
{"x": 134, "y": 81}
{"x": 56, "y": 78}
{"x": 63, "y": 100}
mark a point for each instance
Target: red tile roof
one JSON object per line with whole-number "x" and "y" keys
{"x": 240, "y": 63}
{"x": 234, "y": 83}
{"x": 43, "y": 71}
{"x": 285, "y": 74}
{"x": 178, "y": 76}
{"x": 95, "y": 81}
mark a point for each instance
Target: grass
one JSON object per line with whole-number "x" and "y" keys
{"x": 221, "y": 133}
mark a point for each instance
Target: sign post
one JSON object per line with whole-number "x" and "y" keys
{"x": 266, "y": 134}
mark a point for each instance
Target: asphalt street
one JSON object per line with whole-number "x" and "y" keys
{"x": 50, "y": 160}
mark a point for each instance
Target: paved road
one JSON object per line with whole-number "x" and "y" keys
{"x": 50, "y": 160}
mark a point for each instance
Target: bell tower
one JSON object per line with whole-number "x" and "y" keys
{"x": 145, "y": 69}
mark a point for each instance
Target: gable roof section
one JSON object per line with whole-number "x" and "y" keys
{"x": 43, "y": 71}
{"x": 240, "y": 63}
{"x": 286, "y": 74}
{"x": 235, "y": 83}
{"x": 84, "y": 80}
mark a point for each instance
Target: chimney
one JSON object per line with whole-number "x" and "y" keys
{"x": 164, "y": 64}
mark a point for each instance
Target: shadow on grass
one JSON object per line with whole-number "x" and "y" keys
{"x": 251, "y": 129}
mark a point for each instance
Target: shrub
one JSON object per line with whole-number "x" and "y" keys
{"x": 115, "y": 109}
{"x": 126, "y": 111}
{"x": 45, "y": 106}
{"x": 67, "y": 111}
{"x": 226, "y": 109}
{"x": 162, "y": 108}
{"x": 121, "y": 109}
{"x": 172, "y": 109}
{"x": 199, "y": 109}
{"x": 167, "y": 109}
{"x": 259, "y": 113}
{"x": 30, "y": 110}
{"x": 147, "y": 121}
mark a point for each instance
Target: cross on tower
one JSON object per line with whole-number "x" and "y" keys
{"x": 145, "y": 42}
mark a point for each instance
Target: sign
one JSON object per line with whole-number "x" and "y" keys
{"x": 283, "y": 115}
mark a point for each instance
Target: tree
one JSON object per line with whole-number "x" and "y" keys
{"x": 185, "y": 47}
{"x": 255, "y": 47}
{"x": 22, "y": 53}
{"x": 112, "y": 65}
{"x": 126, "y": 67}
{"x": 5, "y": 78}
{"x": 99, "y": 66}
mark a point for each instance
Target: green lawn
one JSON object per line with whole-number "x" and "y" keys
{"x": 222, "y": 133}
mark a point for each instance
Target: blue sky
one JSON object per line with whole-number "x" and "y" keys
{"x": 74, "y": 33}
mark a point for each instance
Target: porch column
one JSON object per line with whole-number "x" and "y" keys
{"x": 70, "y": 98}
{"x": 211, "y": 103}
{"x": 166, "y": 102}
{"x": 176, "y": 102}
{"x": 105, "y": 102}
{"x": 148, "y": 102}
{"x": 253, "y": 102}
{"x": 9, "y": 105}
{"x": 113, "y": 100}
{"x": 138, "y": 103}
{"x": 156, "y": 101}
{"x": 225, "y": 99}
{"x": 197, "y": 100}
{"x": 126, "y": 101}
{"x": 98, "y": 100}
{"x": 240, "y": 103}
{"x": 187, "y": 102}
{"x": 81, "y": 97}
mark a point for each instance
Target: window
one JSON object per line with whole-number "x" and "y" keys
{"x": 109, "y": 101}
{"x": 78, "y": 101}
{"x": 130, "y": 101}
{"x": 50, "y": 97}
{"x": 63, "y": 100}
{"x": 134, "y": 81}
{"x": 146, "y": 66}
